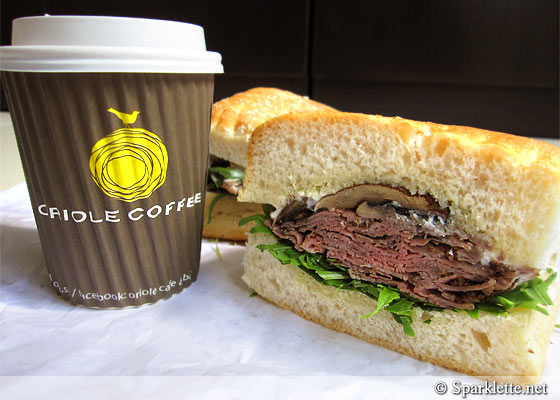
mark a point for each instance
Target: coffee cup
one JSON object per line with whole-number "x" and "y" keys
{"x": 112, "y": 120}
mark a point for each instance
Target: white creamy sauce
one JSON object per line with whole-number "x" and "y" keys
{"x": 276, "y": 211}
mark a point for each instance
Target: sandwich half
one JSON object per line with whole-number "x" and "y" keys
{"x": 439, "y": 242}
{"x": 233, "y": 122}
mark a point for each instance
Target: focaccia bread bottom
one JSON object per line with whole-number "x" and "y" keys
{"x": 226, "y": 216}
{"x": 505, "y": 348}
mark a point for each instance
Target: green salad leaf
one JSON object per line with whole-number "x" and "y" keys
{"x": 259, "y": 227}
{"x": 532, "y": 294}
{"x": 473, "y": 313}
{"x": 219, "y": 174}
{"x": 213, "y": 204}
{"x": 386, "y": 297}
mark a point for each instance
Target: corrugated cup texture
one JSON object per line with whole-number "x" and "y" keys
{"x": 118, "y": 195}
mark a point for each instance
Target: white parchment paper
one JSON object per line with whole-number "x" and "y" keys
{"x": 212, "y": 329}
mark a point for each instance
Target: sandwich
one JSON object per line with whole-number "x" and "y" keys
{"x": 439, "y": 242}
{"x": 233, "y": 122}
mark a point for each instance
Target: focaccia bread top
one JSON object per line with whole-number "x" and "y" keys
{"x": 235, "y": 118}
{"x": 502, "y": 186}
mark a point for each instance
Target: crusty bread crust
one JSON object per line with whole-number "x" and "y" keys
{"x": 501, "y": 186}
{"x": 233, "y": 122}
{"x": 235, "y": 118}
{"x": 226, "y": 216}
{"x": 508, "y": 348}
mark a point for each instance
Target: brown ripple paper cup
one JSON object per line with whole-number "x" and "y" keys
{"x": 115, "y": 163}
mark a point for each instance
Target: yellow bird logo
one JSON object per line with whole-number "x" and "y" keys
{"x": 129, "y": 163}
{"x": 126, "y": 118}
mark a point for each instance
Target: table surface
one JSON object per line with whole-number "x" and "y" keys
{"x": 212, "y": 330}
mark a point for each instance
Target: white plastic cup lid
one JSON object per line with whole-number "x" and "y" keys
{"x": 107, "y": 44}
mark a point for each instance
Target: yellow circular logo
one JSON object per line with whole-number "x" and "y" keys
{"x": 129, "y": 163}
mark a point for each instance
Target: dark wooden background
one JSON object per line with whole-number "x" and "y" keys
{"x": 486, "y": 63}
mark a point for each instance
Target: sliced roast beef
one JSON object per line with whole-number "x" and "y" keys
{"x": 420, "y": 253}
